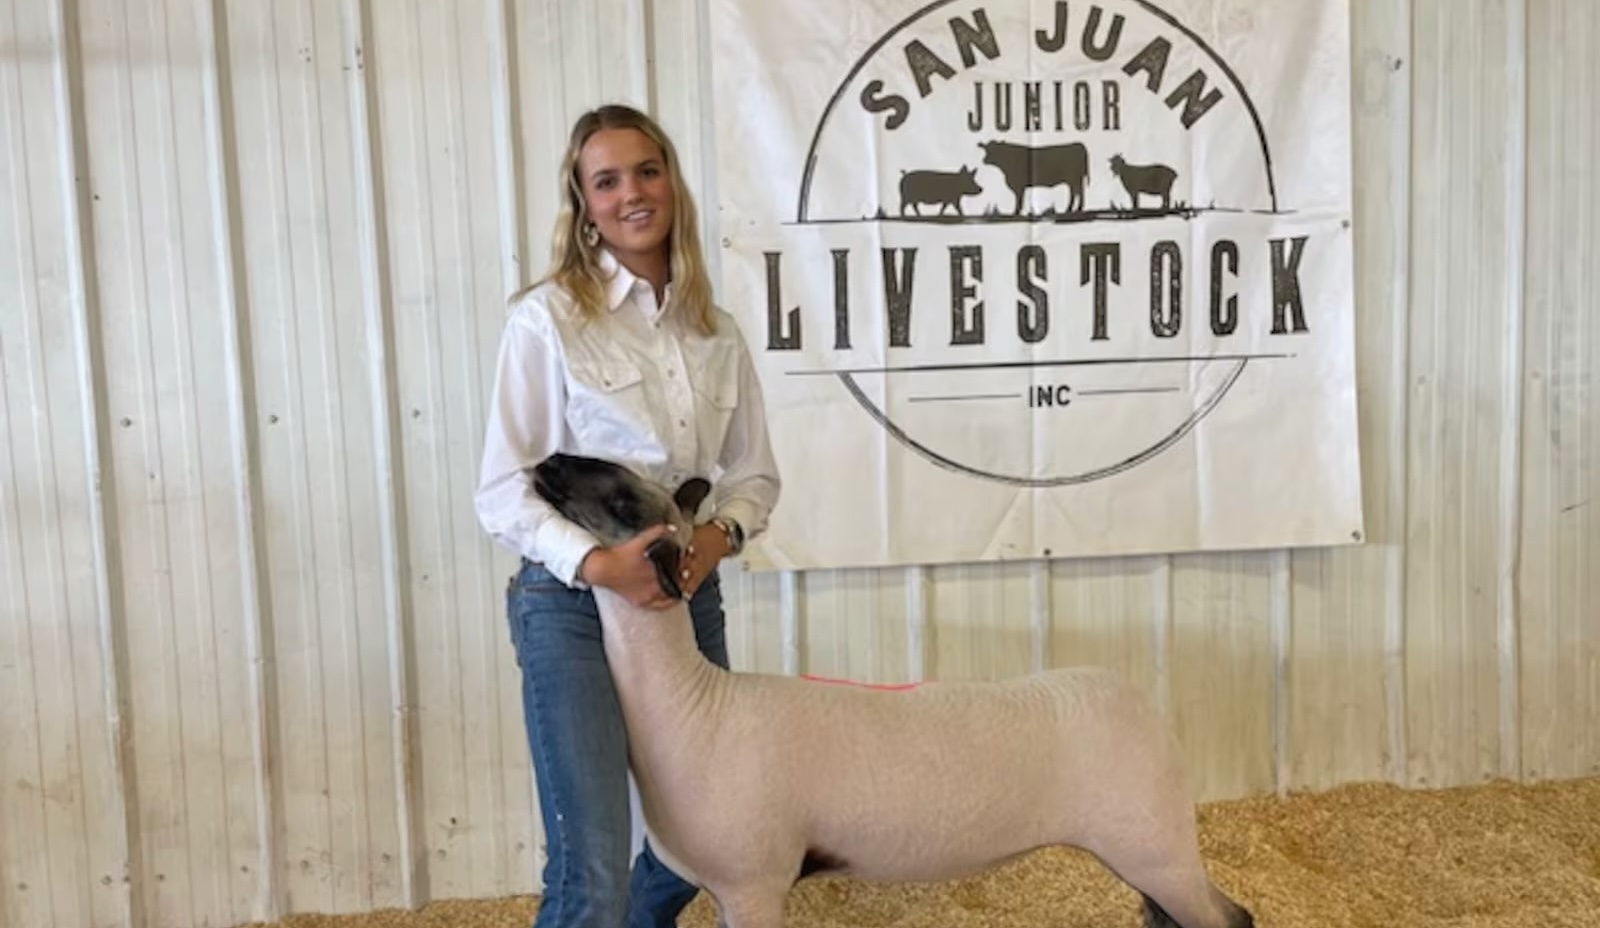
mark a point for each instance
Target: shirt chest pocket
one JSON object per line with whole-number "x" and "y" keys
{"x": 716, "y": 395}
{"x": 608, "y": 407}
{"x": 716, "y": 388}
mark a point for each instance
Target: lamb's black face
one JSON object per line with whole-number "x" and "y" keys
{"x": 605, "y": 498}
{"x": 616, "y": 504}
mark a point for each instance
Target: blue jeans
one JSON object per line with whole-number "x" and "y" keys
{"x": 580, "y": 759}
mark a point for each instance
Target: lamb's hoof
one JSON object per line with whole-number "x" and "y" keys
{"x": 1156, "y": 917}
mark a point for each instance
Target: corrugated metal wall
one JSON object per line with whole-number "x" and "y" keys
{"x": 252, "y": 262}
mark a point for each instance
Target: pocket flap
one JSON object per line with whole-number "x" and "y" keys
{"x": 720, "y": 389}
{"x": 607, "y": 376}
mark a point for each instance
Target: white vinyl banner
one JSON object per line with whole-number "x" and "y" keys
{"x": 1042, "y": 279}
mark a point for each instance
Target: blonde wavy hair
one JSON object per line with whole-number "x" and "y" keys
{"x": 575, "y": 264}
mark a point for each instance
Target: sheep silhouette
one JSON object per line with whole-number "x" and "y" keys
{"x": 1153, "y": 179}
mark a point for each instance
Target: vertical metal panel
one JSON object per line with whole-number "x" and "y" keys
{"x": 165, "y": 348}
{"x": 254, "y": 887}
{"x": 916, "y": 623}
{"x": 603, "y": 53}
{"x": 523, "y": 854}
{"x": 1221, "y": 670}
{"x": 789, "y": 621}
{"x": 1161, "y": 634}
{"x": 404, "y": 865}
{"x": 63, "y": 788}
{"x": 1513, "y": 192}
{"x": 680, "y": 92}
{"x": 319, "y": 424}
{"x": 980, "y": 621}
{"x": 752, "y": 601}
{"x": 1345, "y": 697}
{"x": 1039, "y": 603}
{"x": 1558, "y": 618}
{"x": 445, "y": 280}
{"x": 541, "y": 120}
{"x": 854, "y": 625}
{"x": 1104, "y": 611}
{"x": 111, "y": 812}
{"x": 1464, "y": 113}
{"x": 1280, "y": 604}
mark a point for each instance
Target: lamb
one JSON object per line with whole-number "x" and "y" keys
{"x": 750, "y": 782}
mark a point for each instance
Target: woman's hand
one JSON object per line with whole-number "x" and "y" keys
{"x": 706, "y": 549}
{"x": 626, "y": 570}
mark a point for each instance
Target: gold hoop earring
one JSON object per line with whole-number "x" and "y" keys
{"x": 591, "y": 234}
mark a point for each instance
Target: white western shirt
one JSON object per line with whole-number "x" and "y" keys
{"x": 639, "y": 387}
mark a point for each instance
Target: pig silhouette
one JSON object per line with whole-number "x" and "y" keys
{"x": 1025, "y": 167}
{"x": 945, "y": 188}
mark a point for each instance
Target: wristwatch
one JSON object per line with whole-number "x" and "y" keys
{"x": 732, "y": 530}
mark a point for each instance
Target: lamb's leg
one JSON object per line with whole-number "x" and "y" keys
{"x": 1164, "y": 865}
{"x": 751, "y": 907}
{"x": 1144, "y": 829}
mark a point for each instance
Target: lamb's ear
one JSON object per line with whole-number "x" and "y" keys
{"x": 666, "y": 554}
{"x": 690, "y": 495}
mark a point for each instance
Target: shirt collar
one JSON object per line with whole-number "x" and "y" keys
{"x": 620, "y": 282}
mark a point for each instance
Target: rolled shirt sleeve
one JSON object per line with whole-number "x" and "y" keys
{"x": 750, "y": 484}
{"x": 524, "y": 426}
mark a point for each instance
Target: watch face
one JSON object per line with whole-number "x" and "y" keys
{"x": 734, "y": 532}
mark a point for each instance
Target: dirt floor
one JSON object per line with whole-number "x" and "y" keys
{"x": 1498, "y": 855}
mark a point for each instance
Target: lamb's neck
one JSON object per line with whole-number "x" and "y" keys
{"x": 667, "y": 688}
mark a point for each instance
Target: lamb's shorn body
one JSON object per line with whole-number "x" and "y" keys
{"x": 749, "y": 782}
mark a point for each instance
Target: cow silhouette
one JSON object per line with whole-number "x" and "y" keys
{"x": 1154, "y": 179}
{"x": 1026, "y": 167}
{"x": 945, "y": 188}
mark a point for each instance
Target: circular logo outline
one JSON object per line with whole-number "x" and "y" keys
{"x": 1151, "y": 8}
{"x": 847, "y": 378}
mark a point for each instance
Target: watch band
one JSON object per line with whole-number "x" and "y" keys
{"x": 731, "y": 529}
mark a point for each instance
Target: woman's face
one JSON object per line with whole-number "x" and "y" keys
{"x": 627, "y": 192}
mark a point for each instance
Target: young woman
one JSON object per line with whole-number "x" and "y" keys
{"x": 620, "y": 353}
